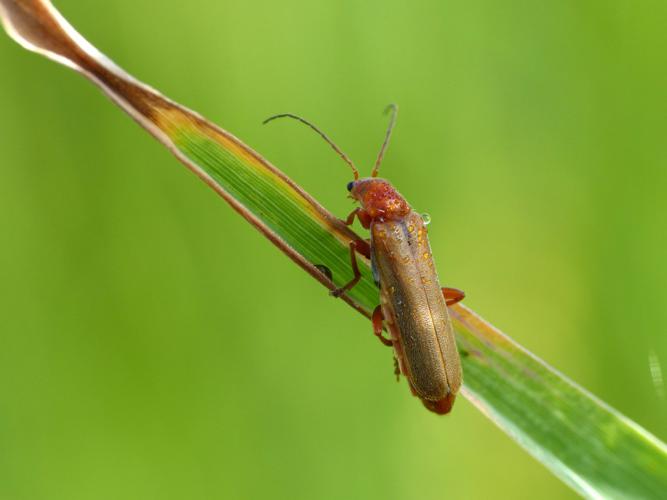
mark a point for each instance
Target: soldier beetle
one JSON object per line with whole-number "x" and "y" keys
{"x": 412, "y": 305}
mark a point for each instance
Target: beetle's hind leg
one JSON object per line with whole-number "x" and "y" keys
{"x": 364, "y": 249}
{"x": 377, "y": 320}
{"x": 453, "y": 295}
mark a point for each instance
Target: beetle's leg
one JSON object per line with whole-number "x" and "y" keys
{"x": 453, "y": 295}
{"x": 377, "y": 320}
{"x": 355, "y": 269}
{"x": 361, "y": 214}
{"x": 364, "y": 248}
{"x": 350, "y": 218}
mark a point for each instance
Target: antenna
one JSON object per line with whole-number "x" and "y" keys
{"x": 322, "y": 134}
{"x": 392, "y": 121}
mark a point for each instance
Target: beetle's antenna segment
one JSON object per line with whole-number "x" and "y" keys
{"x": 392, "y": 121}
{"x": 345, "y": 158}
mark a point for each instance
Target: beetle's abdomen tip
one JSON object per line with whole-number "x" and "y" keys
{"x": 442, "y": 406}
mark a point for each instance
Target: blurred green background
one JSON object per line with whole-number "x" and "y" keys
{"x": 154, "y": 345}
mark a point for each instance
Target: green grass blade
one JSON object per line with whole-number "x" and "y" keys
{"x": 587, "y": 444}
{"x": 590, "y": 446}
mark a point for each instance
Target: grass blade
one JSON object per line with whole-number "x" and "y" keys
{"x": 590, "y": 446}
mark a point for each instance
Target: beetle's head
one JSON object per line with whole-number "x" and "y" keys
{"x": 378, "y": 198}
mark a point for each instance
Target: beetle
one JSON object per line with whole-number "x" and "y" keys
{"x": 413, "y": 306}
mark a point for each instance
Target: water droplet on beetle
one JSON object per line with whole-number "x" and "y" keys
{"x": 426, "y": 218}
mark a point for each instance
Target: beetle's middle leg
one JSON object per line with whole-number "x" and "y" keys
{"x": 377, "y": 320}
{"x": 364, "y": 249}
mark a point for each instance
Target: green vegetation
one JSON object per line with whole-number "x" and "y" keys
{"x": 134, "y": 350}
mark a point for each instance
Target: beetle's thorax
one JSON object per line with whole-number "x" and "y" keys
{"x": 379, "y": 199}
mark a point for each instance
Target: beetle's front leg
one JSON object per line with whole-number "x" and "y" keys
{"x": 360, "y": 214}
{"x": 350, "y": 218}
{"x": 364, "y": 249}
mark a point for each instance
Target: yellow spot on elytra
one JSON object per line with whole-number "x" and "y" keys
{"x": 411, "y": 229}
{"x": 425, "y": 255}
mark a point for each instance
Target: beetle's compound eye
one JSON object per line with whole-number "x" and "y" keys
{"x": 350, "y": 185}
